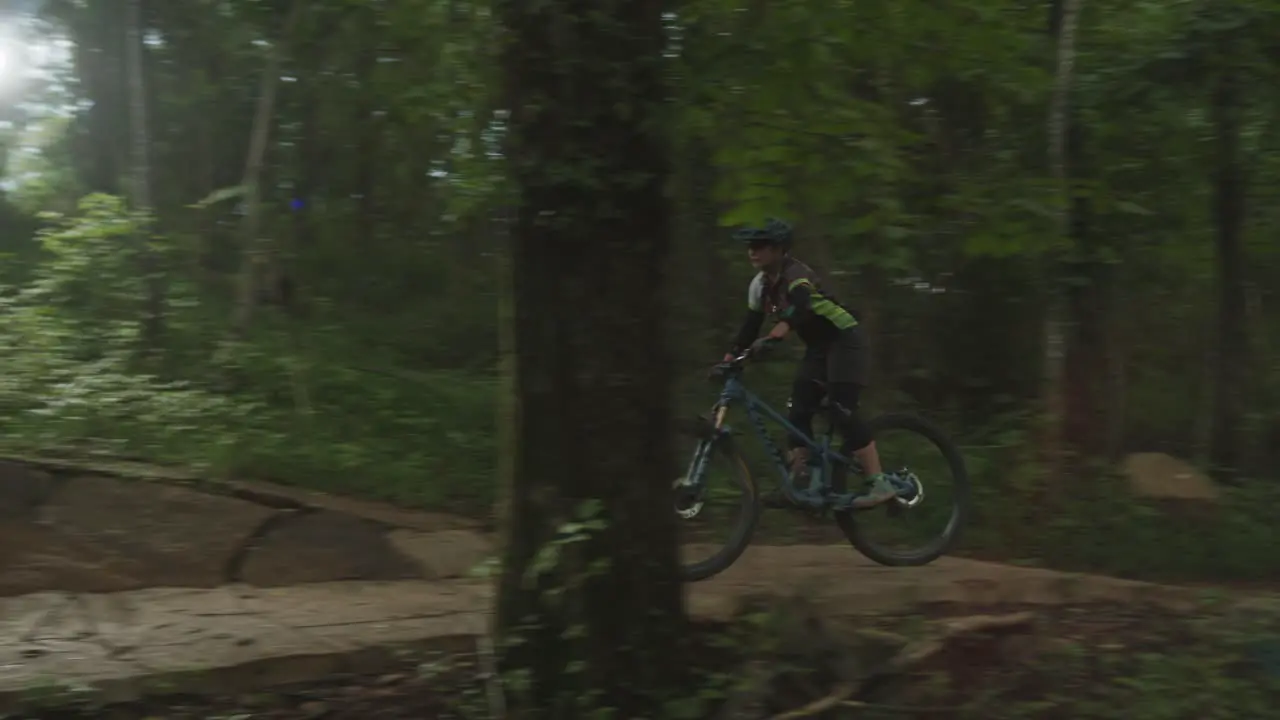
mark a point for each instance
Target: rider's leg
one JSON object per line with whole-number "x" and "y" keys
{"x": 847, "y": 369}
{"x": 857, "y": 441}
{"x": 855, "y": 436}
{"x": 806, "y": 394}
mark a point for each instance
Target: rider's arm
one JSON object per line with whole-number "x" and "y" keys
{"x": 780, "y": 330}
{"x": 749, "y": 331}
{"x": 799, "y": 299}
{"x": 754, "y": 320}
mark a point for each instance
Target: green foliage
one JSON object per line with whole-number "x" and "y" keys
{"x": 1169, "y": 668}
{"x": 311, "y": 410}
{"x": 1100, "y": 526}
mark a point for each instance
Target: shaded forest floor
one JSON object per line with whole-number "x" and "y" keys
{"x": 780, "y": 660}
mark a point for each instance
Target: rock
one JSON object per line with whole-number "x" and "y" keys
{"x": 152, "y": 533}
{"x": 1161, "y": 476}
{"x": 23, "y": 489}
{"x": 444, "y": 554}
{"x": 321, "y": 547}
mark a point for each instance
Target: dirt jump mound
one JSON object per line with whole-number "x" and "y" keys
{"x": 71, "y": 529}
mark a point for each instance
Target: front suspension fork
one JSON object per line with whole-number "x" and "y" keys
{"x": 695, "y": 474}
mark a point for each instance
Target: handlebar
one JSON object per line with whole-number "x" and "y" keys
{"x": 723, "y": 368}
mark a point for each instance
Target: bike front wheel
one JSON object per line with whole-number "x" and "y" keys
{"x": 716, "y": 505}
{"x": 926, "y": 520}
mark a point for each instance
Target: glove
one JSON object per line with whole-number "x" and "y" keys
{"x": 762, "y": 345}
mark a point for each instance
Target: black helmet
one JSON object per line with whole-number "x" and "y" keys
{"x": 774, "y": 232}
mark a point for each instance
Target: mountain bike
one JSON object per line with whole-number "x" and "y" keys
{"x": 714, "y": 440}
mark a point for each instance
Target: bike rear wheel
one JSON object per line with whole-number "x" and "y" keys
{"x": 721, "y": 502}
{"x": 863, "y": 528}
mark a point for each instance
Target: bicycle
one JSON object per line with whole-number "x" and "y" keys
{"x": 828, "y": 470}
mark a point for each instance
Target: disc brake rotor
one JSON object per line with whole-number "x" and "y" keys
{"x": 687, "y": 503}
{"x": 915, "y": 499}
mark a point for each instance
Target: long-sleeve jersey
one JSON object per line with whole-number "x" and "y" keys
{"x": 796, "y": 297}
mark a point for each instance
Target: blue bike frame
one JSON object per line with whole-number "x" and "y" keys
{"x": 819, "y": 493}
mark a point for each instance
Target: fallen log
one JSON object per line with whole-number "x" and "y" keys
{"x": 790, "y": 645}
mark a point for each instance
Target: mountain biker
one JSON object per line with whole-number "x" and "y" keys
{"x": 835, "y": 358}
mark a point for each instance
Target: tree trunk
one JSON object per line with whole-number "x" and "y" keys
{"x": 254, "y": 259}
{"x": 101, "y": 63}
{"x": 508, "y": 406}
{"x": 1063, "y": 24}
{"x": 370, "y": 124}
{"x": 590, "y": 615}
{"x": 709, "y": 270}
{"x": 1087, "y": 406}
{"x": 140, "y": 141}
{"x": 1233, "y": 338}
{"x": 309, "y": 161}
{"x": 1119, "y": 342}
{"x": 870, "y": 305}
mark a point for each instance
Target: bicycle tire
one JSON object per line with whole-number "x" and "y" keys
{"x": 854, "y": 532}
{"x": 745, "y": 527}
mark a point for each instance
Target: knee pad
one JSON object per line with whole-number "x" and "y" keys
{"x": 855, "y": 433}
{"x": 806, "y": 396}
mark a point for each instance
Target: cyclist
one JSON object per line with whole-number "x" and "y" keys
{"x": 835, "y": 358}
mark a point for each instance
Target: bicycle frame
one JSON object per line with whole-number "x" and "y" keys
{"x": 714, "y": 438}
{"x": 819, "y": 493}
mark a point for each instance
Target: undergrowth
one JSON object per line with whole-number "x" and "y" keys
{"x": 786, "y": 660}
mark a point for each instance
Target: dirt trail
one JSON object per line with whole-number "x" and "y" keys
{"x": 131, "y": 585}
{"x": 235, "y": 638}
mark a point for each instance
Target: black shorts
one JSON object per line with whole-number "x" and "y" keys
{"x": 843, "y": 360}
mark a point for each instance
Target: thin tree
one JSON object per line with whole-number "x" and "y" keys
{"x": 255, "y": 254}
{"x": 1066, "y": 14}
{"x": 140, "y": 176}
{"x": 1230, "y": 193}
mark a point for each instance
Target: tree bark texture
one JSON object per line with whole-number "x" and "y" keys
{"x": 588, "y": 617}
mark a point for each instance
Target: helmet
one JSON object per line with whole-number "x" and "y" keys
{"x": 774, "y": 232}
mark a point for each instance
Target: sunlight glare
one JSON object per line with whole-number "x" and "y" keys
{"x": 11, "y": 62}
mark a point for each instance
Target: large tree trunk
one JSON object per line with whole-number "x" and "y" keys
{"x": 1233, "y": 338}
{"x": 589, "y": 615}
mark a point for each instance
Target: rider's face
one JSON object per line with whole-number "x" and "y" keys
{"x": 763, "y": 255}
